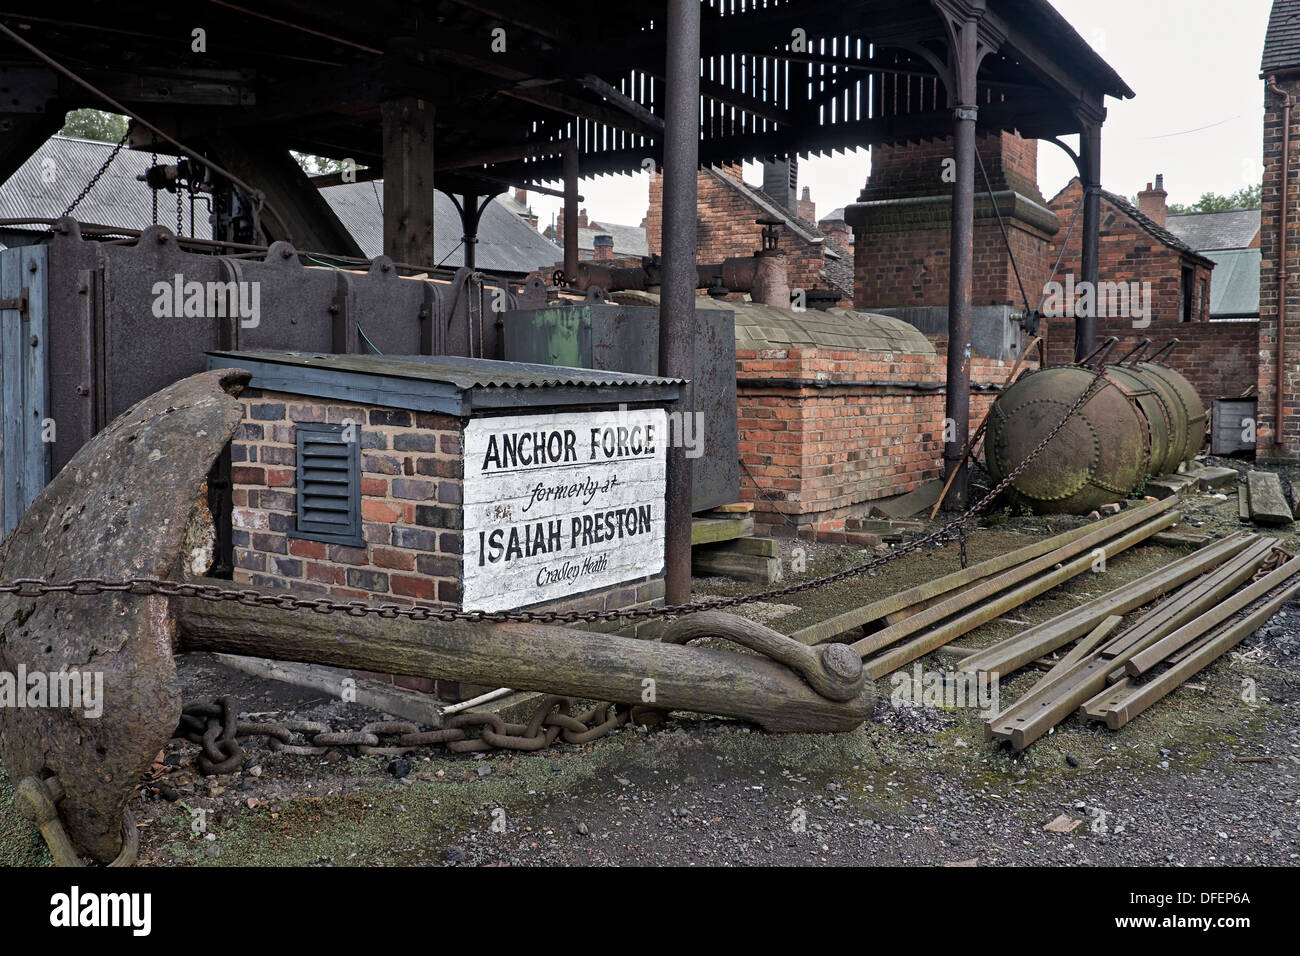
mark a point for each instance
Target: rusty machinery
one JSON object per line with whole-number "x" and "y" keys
{"x": 107, "y": 349}
{"x": 1145, "y": 420}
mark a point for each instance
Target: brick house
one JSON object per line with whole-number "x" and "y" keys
{"x": 1231, "y": 239}
{"x": 1280, "y": 395}
{"x": 348, "y": 477}
{"x": 1136, "y": 246}
{"x": 603, "y": 240}
{"x": 728, "y": 210}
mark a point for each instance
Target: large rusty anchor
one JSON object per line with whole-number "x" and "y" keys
{"x": 132, "y": 504}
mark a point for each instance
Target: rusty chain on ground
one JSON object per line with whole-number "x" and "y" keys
{"x": 216, "y": 728}
{"x": 38, "y": 587}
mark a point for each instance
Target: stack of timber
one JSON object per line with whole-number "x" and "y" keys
{"x": 906, "y": 626}
{"x": 1113, "y": 680}
{"x": 723, "y": 544}
{"x": 1213, "y": 598}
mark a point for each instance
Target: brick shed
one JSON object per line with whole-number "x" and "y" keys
{"x": 446, "y": 481}
{"x": 838, "y": 409}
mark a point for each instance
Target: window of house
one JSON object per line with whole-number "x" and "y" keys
{"x": 329, "y": 484}
{"x": 1189, "y": 294}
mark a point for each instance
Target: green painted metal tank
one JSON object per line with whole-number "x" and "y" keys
{"x": 1099, "y": 456}
{"x": 1144, "y": 420}
{"x": 1187, "y": 411}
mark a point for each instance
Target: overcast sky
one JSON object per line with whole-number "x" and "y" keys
{"x": 1197, "y": 116}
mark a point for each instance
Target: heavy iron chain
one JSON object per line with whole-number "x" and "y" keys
{"x": 95, "y": 178}
{"x": 38, "y": 587}
{"x": 216, "y": 728}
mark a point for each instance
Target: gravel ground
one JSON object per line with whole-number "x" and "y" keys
{"x": 913, "y": 786}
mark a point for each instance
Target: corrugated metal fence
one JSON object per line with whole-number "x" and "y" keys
{"x": 25, "y": 427}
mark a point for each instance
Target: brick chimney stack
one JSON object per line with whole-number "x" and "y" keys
{"x": 1151, "y": 202}
{"x": 521, "y": 196}
{"x": 807, "y": 209}
{"x": 604, "y": 247}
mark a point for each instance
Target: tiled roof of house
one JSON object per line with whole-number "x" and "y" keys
{"x": 1203, "y": 231}
{"x": 837, "y": 269}
{"x": 1151, "y": 227}
{"x": 628, "y": 240}
{"x": 1282, "y": 40}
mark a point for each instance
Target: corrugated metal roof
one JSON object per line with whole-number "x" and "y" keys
{"x": 1282, "y": 40}
{"x": 505, "y": 242}
{"x": 1234, "y": 286}
{"x": 52, "y": 177}
{"x": 461, "y": 373}
{"x": 1203, "y": 231}
{"x": 50, "y": 180}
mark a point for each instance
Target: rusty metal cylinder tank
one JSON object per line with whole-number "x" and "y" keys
{"x": 1143, "y": 420}
{"x": 1186, "y": 410}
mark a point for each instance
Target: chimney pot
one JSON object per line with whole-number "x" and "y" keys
{"x": 1151, "y": 202}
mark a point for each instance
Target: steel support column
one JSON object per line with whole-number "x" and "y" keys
{"x": 967, "y": 47}
{"x": 571, "y": 212}
{"x": 1085, "y": 326}
{"x": 677, "y": 292}
{"x": 470, "y": 206}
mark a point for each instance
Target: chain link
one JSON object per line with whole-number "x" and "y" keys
{"x": 38, "y": 587}
{"x": 98, "y": 174}
{"x": 216, "y": 728}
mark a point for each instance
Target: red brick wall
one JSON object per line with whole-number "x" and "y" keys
{"x": 916, "y": 169}
{"x": 822, "y": 452}
{"x": 905, "y": 263}
{"x": 1218, "y": 358}
{"x": 898, "y": 269}
{"x": 411, "y": 473}
{"x": 410, "y": 504}
{"x": 1270, "y": 250}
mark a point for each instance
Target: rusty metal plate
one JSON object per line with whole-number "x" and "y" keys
{"x": 119, "y": 509}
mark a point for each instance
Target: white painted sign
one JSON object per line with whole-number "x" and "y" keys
{"x": 562, "y": 503}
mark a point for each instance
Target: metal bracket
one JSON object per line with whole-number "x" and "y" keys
{"x": 16, "y": 304}
{"x": 971, "y": 113}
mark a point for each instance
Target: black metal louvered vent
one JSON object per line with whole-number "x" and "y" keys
{"x": 329, "y": 483}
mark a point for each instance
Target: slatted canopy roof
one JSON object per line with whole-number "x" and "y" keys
{"x": 799, "y": 76}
